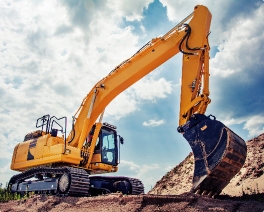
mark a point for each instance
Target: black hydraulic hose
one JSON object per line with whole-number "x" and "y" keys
{"x": 73, "y": 131}
{"x": 180, "y": 46}
{"x": 186, "y": 37}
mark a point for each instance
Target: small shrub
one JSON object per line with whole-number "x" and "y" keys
{"x": 6, "y": 195}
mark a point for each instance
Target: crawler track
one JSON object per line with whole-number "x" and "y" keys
{"x": 70, "y": 181}
{"x": 137, "y": 186}
{"x": 65, "y": 181}
{"x": 112, "y": 184}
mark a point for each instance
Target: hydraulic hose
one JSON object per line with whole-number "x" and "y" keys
{"x": 186, "y": 37}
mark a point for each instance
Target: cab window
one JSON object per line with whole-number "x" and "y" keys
{"x": 109, "y": 153}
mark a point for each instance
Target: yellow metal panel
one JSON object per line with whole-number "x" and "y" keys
{"x": 96, "y": 158}
{"x": 102, "y": 168}
{"x": 73, "y": 152}
{"x": 22, "y": 152}
{"x": 46, "y": 151}
{"x": 50, "y": 155}
{"x": 47, "y": 160}
{"x": 57, "y": 149}
{"x": 54, "y": 140}
{"x": 39, "y": 147}
{"x": 14, "y": 156}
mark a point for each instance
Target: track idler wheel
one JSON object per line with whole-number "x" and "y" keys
{"x": 219, "y": 153}
{"x": 64, "y": 183}
{"x": 122, "y": 186}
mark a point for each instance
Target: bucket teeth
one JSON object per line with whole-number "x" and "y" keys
{"x": 205, "y": 193}
{"x": 210, "y": 194}
{"x": 198, "y": 191}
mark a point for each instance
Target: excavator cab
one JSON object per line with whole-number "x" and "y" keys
{"x": 107, "y": 146}
{"x": 104, "y": 144}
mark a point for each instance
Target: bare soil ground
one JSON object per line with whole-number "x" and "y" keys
{"x": 118, "y": 202}
{"x": 244, "y": 193}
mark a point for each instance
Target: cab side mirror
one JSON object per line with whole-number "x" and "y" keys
{"x": 121, "y": 139}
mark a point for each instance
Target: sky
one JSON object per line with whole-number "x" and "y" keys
{"x": 53, "y": 52}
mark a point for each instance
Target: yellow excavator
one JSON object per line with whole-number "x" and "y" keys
{"x": 69, "y": 165}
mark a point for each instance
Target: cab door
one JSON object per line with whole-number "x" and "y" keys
{"x": 109, "y": 150}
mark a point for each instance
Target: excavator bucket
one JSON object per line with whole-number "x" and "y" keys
{"x": 219, "y": 153}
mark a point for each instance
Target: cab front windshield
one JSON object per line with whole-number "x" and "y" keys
{"x": 109, "y": 146}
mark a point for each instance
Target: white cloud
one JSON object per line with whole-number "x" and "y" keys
{"x": 222, "y": 19}
{"x": 121, "y": 106}
{"x": 131, "y": 10}
{"x": 168, "y": 168}
{"x": 145, "y": 89}
{"x": 150, "y": 89}
{"x": 130, "y": 165}
{"x": 177, "y": 10}
{"x": 6, "y": 174}
{"x": 153, "y": 123}
{"x": 6, "y": 169}
{"x": 228, "y": 120}
{"x": 221, "y": 72}
{"x": 254, "y": 125}
{"x": 149, "y": 174}
{"x": 236, "y": 53}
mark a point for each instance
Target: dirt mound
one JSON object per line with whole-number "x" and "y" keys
{"x": 176, "y": 181}
{"x": 118, "y": 202}
{"x": 250, "y": 179}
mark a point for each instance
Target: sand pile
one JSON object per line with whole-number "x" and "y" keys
{"x": 250, "y": 179}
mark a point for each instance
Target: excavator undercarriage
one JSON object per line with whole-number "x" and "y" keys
{"x": 70, "y": 181}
